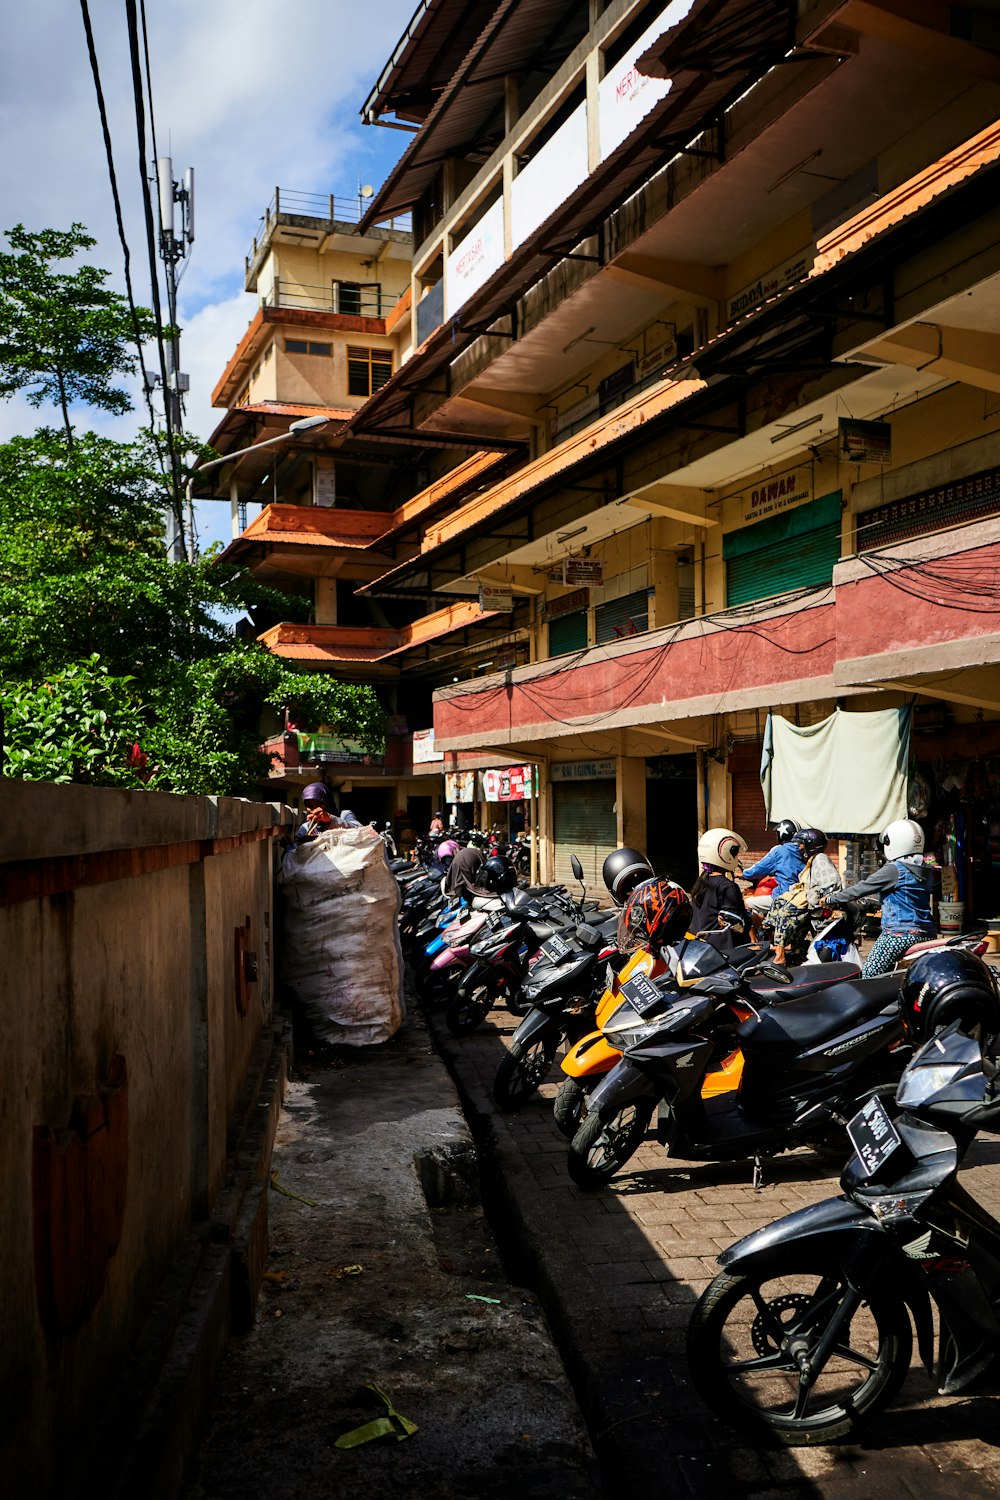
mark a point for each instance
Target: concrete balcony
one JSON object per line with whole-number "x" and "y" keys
{"x": 327, "y": 219}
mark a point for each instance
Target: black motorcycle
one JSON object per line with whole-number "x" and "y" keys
{"x": 808, "y": 1064}
{"x": 562, "y": 990}
{"x": 807, "y": 1332}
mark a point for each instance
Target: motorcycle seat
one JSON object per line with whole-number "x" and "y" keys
{"x": 822, "y": 1015}
{"x": 807, "y": 979}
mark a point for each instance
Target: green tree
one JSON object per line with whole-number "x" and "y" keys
{"x": 116, "y": 664}
{"x": 65, "y": 336}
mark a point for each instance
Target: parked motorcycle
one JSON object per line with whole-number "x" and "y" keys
{"x": 805, "y": 1066}
{"x": 806, "y": 1333}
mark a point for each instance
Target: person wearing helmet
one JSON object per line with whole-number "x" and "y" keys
{"x": 718, "y": 911}
{"x": 623, "y": 870}
{"x": 784, "y": 861}
{"x": 437, "y": 826}
{"x": 656, "y": 914}
{"x": 461, "y": 879}
{"x": 950, "y": 984}
{"x": 905, "y": 885}
{"x": 788, "y": 919}
{"x": 318, "y": 815}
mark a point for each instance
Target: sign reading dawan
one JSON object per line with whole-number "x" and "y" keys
{"x": 777, "y": 492}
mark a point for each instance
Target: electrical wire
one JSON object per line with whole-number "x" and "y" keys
{"x": 140, "y": 123}
{"x": 113, "y": 178}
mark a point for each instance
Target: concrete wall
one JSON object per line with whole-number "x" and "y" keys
{"x": 128, "y": 1036}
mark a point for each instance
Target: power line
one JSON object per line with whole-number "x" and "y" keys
{"x": 140, "y": 122}
{"x": 126, "y": 254}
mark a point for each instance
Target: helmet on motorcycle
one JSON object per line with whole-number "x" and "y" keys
{"x": 786, "y": 829}
{"x": 497, "y": 875}
{"x": 950, "y": 984}
{"x": 902, "y": 838}
{"x": 722, "y": 848}
{"x": 657, "y": 913}
{"x": 447, "y": 849}
{"x": 316, "y": 791}
{"x": 623, "y": 870}
{"x": 810, "y": 840}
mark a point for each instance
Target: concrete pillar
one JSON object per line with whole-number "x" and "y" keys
{"x": 199, "y": 1035}
{"x": 234, "y": 507}
{"x": 325, "y": 601}
{"x": 593, "y": 78}
{"x": 663, "y": 577}
{"x": 546, "y": 861}
{"x": 720, "y": 802}
{"x": 630, "y": 801}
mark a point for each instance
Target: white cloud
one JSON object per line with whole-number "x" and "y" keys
{"x": 252, "y": 93}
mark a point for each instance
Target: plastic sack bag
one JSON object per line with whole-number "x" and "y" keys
{"x": 341, "y": 957}
{"x": 834, "y": 950}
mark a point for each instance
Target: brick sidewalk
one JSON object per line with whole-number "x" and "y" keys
{"x": 619, "y": 1272}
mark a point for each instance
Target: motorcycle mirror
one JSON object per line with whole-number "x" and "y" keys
{"x": 576, "y": 866}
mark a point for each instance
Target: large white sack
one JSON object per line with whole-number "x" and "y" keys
{"x": 341, "y": 954}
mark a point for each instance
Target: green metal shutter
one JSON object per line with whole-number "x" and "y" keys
{"x": 793, "y": 551}
{"x": 628, "y": 615}
{"x": 583, "y": 823}
{"x": 568, "y": 633}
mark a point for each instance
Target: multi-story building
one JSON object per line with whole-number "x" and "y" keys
{"x": 331, "y": 327}
{"x": 727, "y": 274}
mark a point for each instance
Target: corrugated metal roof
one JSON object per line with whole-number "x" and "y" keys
{"x": 700, "y": 93}
{"x": 424, "y": 58}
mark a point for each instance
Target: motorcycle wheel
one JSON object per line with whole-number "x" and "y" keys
{"x": 469, "y": 1008}
{"x": 436, "y": 989}
{"x": 570, "y": 1107}
{"x": 521, "y": 1074}
{"x": 601, "y": 1147}
{"x": 745, "y": 1333}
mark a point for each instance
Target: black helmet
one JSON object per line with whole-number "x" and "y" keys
{"x": 497, "y": 875}
{"x": 949, "y": 984}
{"x": 786, "y": 829}
{"x": 623, "y": 870}
{"x": 810, "y": 840}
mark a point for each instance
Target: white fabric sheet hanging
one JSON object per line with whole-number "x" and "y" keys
{"x": 846, "y": 774}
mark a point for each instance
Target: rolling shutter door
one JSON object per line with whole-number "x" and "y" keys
{"x": 568, "y": 633}
{"x": 583, "y": 823}
{"x": 628, "y": 615}
{"x": 792, "y": 551}
{"x": 748, "y": 800}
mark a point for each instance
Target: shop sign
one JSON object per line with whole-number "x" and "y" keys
{"x": 423, "y": 748}
{"x": 759, "y": 291}
{"x": 474, "y": 260}
{"x": 864, "y": 442}
{"x": 555, "y": 171}
{"x": 505, "y": 657}
{"x": 330, "y": 750}
{"x": 567, "y": 604}
{"x": 495, "y": 599}
{"x": 583, "y": 770}
{"x": 511, "y": 784}
{"x": 460, "y": 786}
{"x": 583, "y": 570}
{"x": 624, "y": 95}
{"x": 614, "y": 384}
{"x": 777, "y": 492}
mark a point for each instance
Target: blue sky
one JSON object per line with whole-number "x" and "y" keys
{"x": 253, "y": 94}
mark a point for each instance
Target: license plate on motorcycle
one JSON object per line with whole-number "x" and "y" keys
{"x": 641, "y": 993}
{"x": 873, "y": 1135}
{"x": 609, "y": 977}
{"x": 555, "y": 949}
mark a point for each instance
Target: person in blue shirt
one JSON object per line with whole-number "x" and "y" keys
{"x": 905, "y": 886}
{"x": 785, "y": 861}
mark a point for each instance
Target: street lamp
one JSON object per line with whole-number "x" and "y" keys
{"x": 304, "y": 424}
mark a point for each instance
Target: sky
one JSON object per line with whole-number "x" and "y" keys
{"x": 252, "y": 94}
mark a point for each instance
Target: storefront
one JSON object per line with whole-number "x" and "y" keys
{"x": 583, "y": 819}
{"x": 672, "y": 817}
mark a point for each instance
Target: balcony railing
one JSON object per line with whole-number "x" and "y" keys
{"x": 325, "y": 208}
{"x": 359, "y": 302}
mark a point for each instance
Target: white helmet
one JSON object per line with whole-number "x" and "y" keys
{"x": 722, "y": 848}
{"x": 901, "y": 839}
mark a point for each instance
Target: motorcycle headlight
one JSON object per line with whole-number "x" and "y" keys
{"x": 529, "y": 991}
{"x": 918, "y": 1084}
{"x": 892, "y": 1206}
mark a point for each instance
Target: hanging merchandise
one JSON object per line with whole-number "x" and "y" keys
{"x": 918, "y": 799}
{"x": 848, "y": 772}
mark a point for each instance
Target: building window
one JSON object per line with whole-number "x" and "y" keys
{"x": 302, "y": 346}
{"x": 367, "y": 370}
{"x": 362, "y": 299}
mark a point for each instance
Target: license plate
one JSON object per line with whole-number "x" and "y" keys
{"x": 641, "y": 993}
{"x": 555, "y": 949}
{"x": 609, "y": 977}
{"x": 873, "y": 1135}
